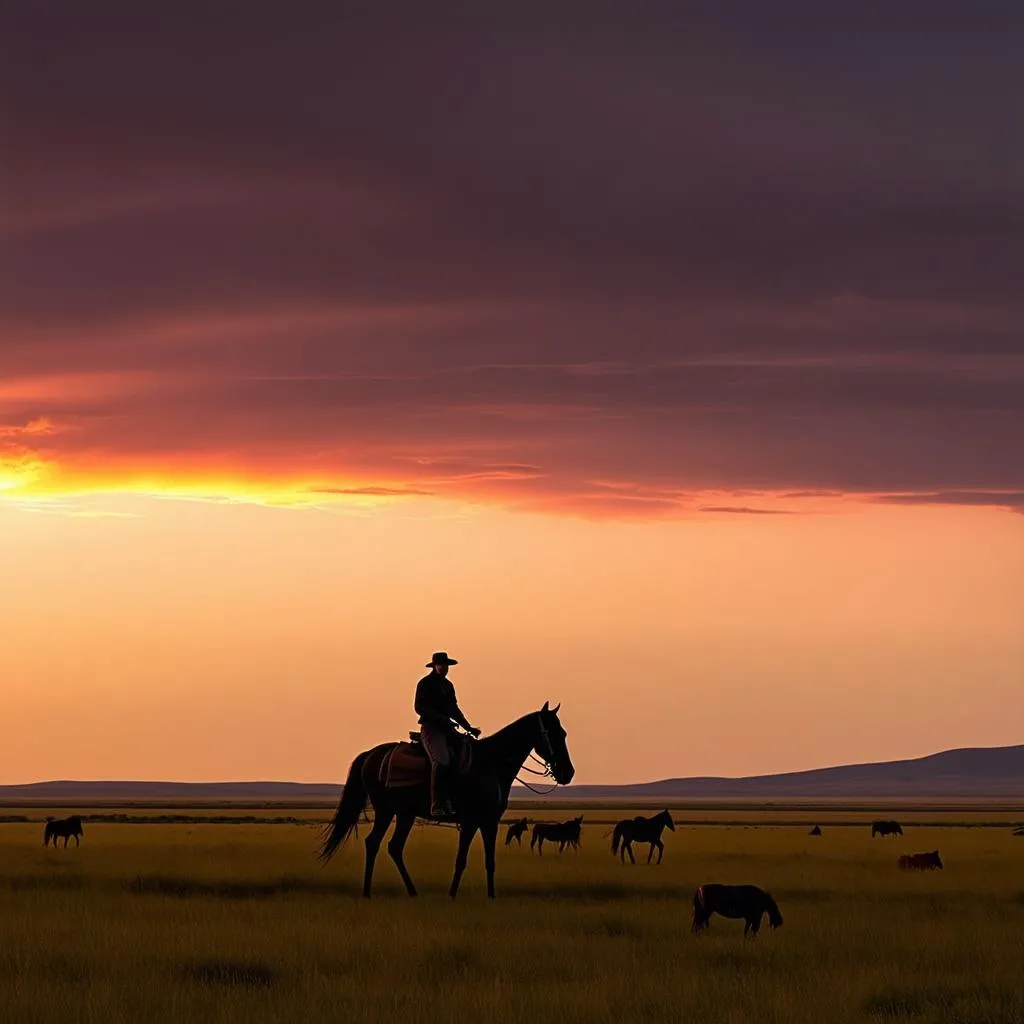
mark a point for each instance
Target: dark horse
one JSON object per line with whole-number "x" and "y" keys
{"x": 515, "y": 832}
{"x": 64, "y": 827}
{"x": 641, "y": 830}
{"x": 737, "y": 901}
{"x": 886, "y": 828}
{"x": 565, "y": 833}
{"x": 480, "y": 796}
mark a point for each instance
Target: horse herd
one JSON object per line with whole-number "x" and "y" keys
{"x": 567, "y": 833}
{"x": 745, "y": 902}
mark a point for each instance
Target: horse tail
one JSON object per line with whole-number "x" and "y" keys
{"x": 353, "y": 801}
{"x": 617, "y": 837}
{"x": 774, "y": 916}
{"x": 700, "y": 914}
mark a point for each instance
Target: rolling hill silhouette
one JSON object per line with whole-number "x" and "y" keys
{"x": 967, "y": 772}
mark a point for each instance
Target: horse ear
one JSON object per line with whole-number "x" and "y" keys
{"x": 556, "y": 707}
{"x": 545, "y": 708}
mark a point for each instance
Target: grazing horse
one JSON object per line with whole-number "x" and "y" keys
{"x": 565, "y": 833}
{"x": 737, "y": 901}
{"x": 641, "y": 830}
{"x": 516, "y": 831}
{"x": 886, "y": 828}
{"x": 479, "y": 794}
{"x": 63, "y": 827}
{"x": 921, "y": 861}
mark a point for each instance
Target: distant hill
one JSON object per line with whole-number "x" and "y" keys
{"x": 968, "y": 772}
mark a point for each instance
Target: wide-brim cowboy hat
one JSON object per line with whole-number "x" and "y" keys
{"x": 442, "y": 657}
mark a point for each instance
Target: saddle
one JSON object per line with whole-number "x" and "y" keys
{"x": 407, "y": 764}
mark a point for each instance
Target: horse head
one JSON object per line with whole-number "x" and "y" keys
{"x": 551, "y": 745}
{"x": 668, "y": 819}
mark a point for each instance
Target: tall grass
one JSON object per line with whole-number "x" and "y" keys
{"x": 239, "y": 923}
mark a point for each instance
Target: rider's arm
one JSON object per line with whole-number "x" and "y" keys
{"x": 459, "y": 718}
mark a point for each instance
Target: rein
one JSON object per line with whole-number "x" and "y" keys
{"x": 544, "y": 762}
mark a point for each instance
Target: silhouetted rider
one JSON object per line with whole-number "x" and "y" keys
{"x": 439, "y": 712}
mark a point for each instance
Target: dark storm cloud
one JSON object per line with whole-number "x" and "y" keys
{"x": 672, "y": 245}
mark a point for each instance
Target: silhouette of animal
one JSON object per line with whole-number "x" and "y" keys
{"x": 480, "y": 795}
{"x": 921, "y": 861}
{"x": 515, "y": 832}
{"x": 1018, "y": 832}
{"x": 886, "y": 828}
{"x": 816, "y": 831}
{"x": 747, "y": 902}
{"x": 66, "y": 828}
{"x": 565, "y": 833}
{"x": 641, "y": 830}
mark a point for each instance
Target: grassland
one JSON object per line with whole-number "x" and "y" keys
{"x": 195, "y": 919}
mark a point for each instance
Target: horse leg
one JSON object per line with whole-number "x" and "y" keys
{"x": 650, "y": 853}
{"x": 661, "y": 849}
{"x": 381, "y": 823}
{"x": 489, "y": 833}
{"x": 396, "y": 846}
{"x": 465, "y": 839}
{"x": 78, "y": 842}
{"x": 628, "y": 848}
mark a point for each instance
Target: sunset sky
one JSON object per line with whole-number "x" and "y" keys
{"x": 666, "y": 361}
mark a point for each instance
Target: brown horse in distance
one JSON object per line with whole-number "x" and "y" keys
{"x": 921, "y": 861}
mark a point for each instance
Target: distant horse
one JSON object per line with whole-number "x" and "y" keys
{"x": 1018, "y": 831}
{"x": 886, "y": 828}
{"x": 63, "y": 827}
{"x": 921, "y": 861}
{"x": 480, "y": 794}
{"x": 515, "y": 832}
{"x": 565, "y": 833}
{"x": 641, "y": 830}
{"x": 736, "y": 901}
{"x": 816, "y": 831}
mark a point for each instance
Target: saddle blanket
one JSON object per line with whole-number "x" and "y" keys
{"x": 407, "y": 764}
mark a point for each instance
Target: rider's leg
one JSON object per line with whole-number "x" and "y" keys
{"x": 435, "y": 742}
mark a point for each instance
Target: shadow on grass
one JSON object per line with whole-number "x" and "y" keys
{"x": 179, "y": 887}
{"x": 231, "y": 974}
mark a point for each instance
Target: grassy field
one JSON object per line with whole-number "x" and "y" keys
{"x": 210, "y": 921}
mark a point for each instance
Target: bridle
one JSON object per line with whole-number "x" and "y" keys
{"x": 546, "y": 761}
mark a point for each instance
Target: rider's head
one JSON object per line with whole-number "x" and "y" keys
{"x": 440, "y": 662}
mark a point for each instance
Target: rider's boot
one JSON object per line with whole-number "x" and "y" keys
{"x": 440, "y": 805}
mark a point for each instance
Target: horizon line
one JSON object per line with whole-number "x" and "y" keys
{"x": 593, "y": 785}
